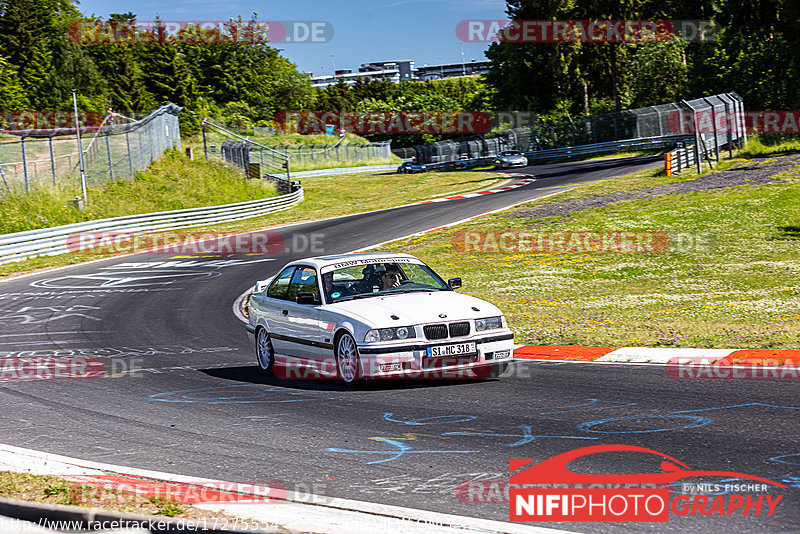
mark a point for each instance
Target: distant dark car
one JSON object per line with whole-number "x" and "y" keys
{"x": 411, "y": 167}
{"x": 510, "y": 158}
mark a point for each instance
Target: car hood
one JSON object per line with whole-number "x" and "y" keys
{"x": 415, "y": 308}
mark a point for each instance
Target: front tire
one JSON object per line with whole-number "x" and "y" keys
{"x": 265, "y": 353}
{"x": 347, "y": 359}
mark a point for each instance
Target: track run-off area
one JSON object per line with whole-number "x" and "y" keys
{"x": 180, "y": 390}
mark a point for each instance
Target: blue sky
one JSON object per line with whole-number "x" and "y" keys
{"x": 364, "y": 30}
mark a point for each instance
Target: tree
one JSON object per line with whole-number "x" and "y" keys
{"x": 120, "y": 64}
{"x": 23, "y": 27}
{"x": 12, "y": 94}
{"x": 658, "y": 73}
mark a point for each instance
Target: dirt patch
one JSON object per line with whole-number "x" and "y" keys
{"x": 757, "y": 171}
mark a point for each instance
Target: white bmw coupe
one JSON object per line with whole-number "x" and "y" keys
{"x": 366, "y": 316}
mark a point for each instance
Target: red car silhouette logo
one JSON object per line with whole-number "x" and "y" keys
{"x": 554, "y": 470}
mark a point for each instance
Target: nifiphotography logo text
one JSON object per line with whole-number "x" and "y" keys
{"x": 549, "y": 491}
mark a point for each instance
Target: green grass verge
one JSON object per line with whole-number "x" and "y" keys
{"x": 325, "y": 196}
{"x": 733, "y": 283}
{"x": 768, "y": 144}
{"x": 54, "y": 490}
{"x": 173, "y": 182}
{"x": 294, "y": 143}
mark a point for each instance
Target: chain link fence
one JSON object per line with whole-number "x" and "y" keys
{"x": 277, "y": 160}
{"x": 652, "y": 121}
{"x": 475, "y": 147}
{"x": 32, "y": 159}
{"x": 716, "y": 121}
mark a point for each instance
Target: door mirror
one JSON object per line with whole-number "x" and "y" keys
{"x": 454, "y": 283}
{"x": 306, "y": 298}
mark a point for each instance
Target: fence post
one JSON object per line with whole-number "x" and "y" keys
{"x": 108, "y": 153}
{"x": 205, "y": 146}
{"x": 696, "y": 136}
{"x": 24, "y": 164}
{"x": 730, "y": 124}
{"x": 714, "y": 126}
{"x": 152, "y": 142}
{"x": 740, "y": 101}
{"x": 3, "y": 174}
{"x": 52, "y": 159}
{"x": 177, "y": 129}
{"x": 128, "y": 147}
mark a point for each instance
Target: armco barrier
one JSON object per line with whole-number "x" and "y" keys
{"x": 609, "y": 147}
{"x": 53, "y": 241}
{"x": 571, "y": 152}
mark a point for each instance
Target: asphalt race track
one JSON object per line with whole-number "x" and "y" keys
{"x": 184, "y": 394}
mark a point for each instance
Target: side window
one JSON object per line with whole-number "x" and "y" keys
{"x": 303, "y": 281}
{"x": 279, "y": 288}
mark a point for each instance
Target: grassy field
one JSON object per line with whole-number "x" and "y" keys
{"x": 300, "y": 147}
{"x": 53, "y": 490}
{"x": 173, "y": 182}
{"x": 326, "y": 196}
{"x": 728, "y": 279}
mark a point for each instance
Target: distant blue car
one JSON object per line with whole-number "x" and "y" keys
{"x": 411, "y": 167}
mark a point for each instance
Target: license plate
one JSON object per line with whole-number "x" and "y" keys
{"x": 457, "y": 349}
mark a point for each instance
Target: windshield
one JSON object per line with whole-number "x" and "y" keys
{"x": 509, "y": 153}
{"x": 379, "y": 279}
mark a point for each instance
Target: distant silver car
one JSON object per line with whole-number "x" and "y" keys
{"x": 510, "y": 158}
{"x": 376, "y": 315}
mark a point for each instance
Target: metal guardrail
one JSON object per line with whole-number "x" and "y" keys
{"x": 571, "y": 152}
{"x": 53, "y": 241}
{"x": 609, "y": 147}
{"x": 345, "y": 170}
{"x": 460, "y": 164}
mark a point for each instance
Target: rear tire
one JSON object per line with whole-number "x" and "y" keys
{"x": 265, "y": 353}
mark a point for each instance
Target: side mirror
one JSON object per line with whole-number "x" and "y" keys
{"x": 454, "y": 283}
{"x": 306, "y": 298}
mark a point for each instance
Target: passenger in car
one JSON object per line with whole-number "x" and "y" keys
{"x": 327, "y": 286}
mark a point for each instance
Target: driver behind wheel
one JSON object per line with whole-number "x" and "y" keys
{"x": 391, "y": 277}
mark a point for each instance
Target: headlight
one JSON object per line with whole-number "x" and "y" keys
{"x": 387, "y": 334}
{"x": 489, "y": 323}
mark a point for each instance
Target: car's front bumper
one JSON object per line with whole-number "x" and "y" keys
{"x": 411, "y": 360}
